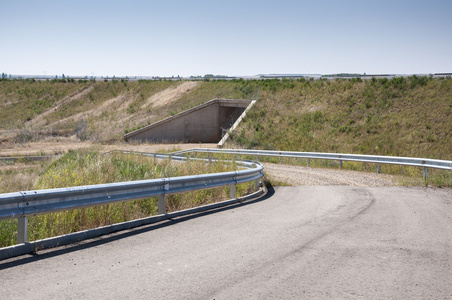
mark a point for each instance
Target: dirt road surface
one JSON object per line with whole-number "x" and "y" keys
{"x": 301, "y": 176}
{"x": 62, "y": 145}
{"x": 170, "y": 94}
{"x": 311, "y": 242}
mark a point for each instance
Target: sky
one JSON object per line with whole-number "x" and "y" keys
{"x": 225, "y": 37}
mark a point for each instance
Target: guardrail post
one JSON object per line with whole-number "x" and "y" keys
{"x": 22, "y": 230}
{"x": 257, "y": 184}
{"x": 155, "y": 157}
{"x": 340, "y": 164}
{"x": 280, "y": 160}
{"x": 161, "y": 204}
{"x": 232, "y": 193}
{"x": 425, "y": 173}
{"x": 378, "y": 168}
{"x": 309, "y": 162}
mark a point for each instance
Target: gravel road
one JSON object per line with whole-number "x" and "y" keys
{"x": 305, "y": 176}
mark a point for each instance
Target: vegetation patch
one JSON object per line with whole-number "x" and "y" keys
{"x": 90, "y": 167}
{"x": 401, "y": 117}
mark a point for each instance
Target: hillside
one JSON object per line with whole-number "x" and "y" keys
{"x": 403, "y": 116}
{"x": 98, "y": 111}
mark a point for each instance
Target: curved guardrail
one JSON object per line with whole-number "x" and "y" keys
{"x": 21, "y": 205}
{"x": 378, "y": 159}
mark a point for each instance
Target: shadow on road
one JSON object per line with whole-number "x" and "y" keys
{"x": 29, "y": 258}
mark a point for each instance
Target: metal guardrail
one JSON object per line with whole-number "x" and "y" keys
{"x": 378, "y": 159}
{"x": 25, "y": 158}
{"x": 23, "y": 204}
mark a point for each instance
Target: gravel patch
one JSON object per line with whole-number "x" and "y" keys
{"x": 306, "y": 176}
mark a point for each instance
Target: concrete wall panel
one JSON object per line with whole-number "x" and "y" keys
{"x": 199, "y": 124}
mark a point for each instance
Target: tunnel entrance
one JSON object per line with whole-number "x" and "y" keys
{"x": 206, "y": 123}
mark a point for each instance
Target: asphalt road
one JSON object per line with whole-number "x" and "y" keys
{"x": 300, "y": 243}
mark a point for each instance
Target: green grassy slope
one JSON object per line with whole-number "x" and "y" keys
{"x": 402, "y": 117}
{"x": 21, "y": 100}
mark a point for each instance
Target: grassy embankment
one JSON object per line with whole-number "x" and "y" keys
{"x": 35, "y": 110}
{"x": 400, "y": 117}
{"x": 90, "y": 167}
{"x": 57, "y": 108}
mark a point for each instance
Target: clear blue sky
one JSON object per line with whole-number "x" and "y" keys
{"x": 230, "y": 37}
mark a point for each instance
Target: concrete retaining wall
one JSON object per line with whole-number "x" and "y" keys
{"x": 199, "y": 124}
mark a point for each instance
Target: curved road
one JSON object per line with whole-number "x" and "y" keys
{"x": 299, "y": 242}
